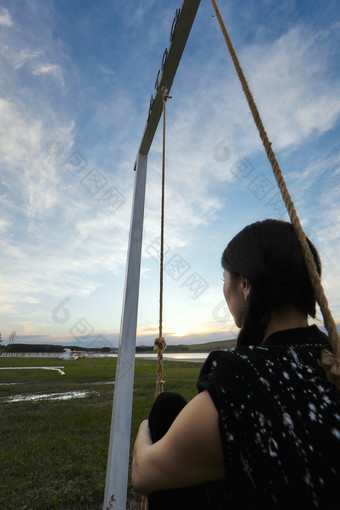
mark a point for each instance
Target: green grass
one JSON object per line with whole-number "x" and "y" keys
{"x": 53, "y": 453}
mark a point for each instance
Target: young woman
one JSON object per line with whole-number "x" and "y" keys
{"x": 264, "y": 430}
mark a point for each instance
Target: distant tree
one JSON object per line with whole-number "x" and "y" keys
{"x": 144, "y": 348}
{"x": 11, "y": 337}
{"x": 34, "y": 348}
{"x": 105, "y": 349}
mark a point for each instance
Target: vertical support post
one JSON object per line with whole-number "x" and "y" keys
{"x": 119, "y": 446}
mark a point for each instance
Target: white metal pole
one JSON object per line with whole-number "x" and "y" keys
{"x": 118, "y": 456}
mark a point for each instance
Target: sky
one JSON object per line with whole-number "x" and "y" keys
{"x": 75, "y": 85}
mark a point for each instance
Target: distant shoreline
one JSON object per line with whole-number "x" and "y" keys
{"x": 53, "y": 350}
{"x": 190, "y": 348}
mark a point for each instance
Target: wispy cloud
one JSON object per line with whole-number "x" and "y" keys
{"x": 5, "y": 18}
{"x": 19, "y": 58}
{"x": 290, "y": 83}
{"x": 4, "y": 225}
{"x": 49, "y": 69}
{"x": 25, "y": 160}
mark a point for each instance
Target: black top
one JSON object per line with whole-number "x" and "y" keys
{"x": 279, "y": 421}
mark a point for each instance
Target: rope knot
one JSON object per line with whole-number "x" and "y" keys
{"x": 159, "y": 343}
{"x": 331, "y": 365}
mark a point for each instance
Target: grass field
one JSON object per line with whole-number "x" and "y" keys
{"x": 53, "y": 452}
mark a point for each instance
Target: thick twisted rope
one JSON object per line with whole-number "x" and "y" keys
{"x": 160, "y": 343}
{"x": 330, "y": 361}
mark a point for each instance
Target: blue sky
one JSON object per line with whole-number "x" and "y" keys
{"x": 75, "y": 84}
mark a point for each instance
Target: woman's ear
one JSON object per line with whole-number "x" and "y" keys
{"x": 245, "y": 287}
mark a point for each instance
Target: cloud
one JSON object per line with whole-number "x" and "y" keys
{"x": 19, "y": 59}
{"x": 34, "y": 58}
{"x": 58, "y": 243}
{"x": 31, "y": 274}
{"x": 49, "y": 69}
{"x": 51, "y": 250}
{"x": 61, "y": 244}
{"x": 110, "y": 74}
{"x": 25, "y": 161}
{"x": 31, "y": 51}
{"x": 290, "y": 80}
{"x": 136, "y": 13}
{"x": 4, "y": 225}
{"x": 5, "y": 18}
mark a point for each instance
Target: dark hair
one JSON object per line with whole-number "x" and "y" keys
{"x": 268, "y": 254}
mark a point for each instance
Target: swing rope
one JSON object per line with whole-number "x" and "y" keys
{"x": 160, "y": 343}
{"x": 330, "y": 361}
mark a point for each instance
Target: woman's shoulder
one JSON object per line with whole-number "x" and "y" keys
{"x": 283, "y": 348}
{"x": 240, "y": 356}
{"x": 224, "y": 366}
{"x": 269, "y": 367}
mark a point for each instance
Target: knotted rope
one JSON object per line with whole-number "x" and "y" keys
{"x": 330, "y": 361}
{"x": 160, "y": 343}
{"x": 159, "y": 346}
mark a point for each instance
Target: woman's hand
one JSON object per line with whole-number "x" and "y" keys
{"x": 190, "y": 452}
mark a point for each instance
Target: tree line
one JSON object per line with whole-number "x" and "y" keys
{"x": 51, "y": 348}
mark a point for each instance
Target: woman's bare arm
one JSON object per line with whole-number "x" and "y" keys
{"x": 190, "y": 452}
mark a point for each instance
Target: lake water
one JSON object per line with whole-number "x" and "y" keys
{"x": 199, "y": 357}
